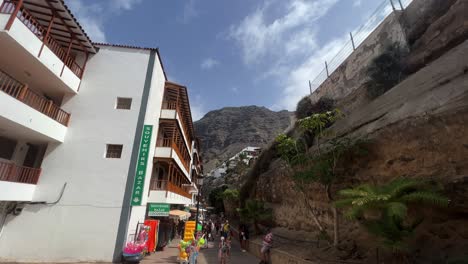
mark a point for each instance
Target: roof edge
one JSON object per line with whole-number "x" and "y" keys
{"x": 136, "y": 47}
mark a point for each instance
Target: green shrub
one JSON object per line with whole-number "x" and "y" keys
{"x": 385, "y": 71}
{"x": 230, "y": 194}
{"x": 306, "y": 108}
{"x": 389, "y": 205}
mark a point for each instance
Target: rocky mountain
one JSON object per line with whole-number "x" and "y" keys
{"x": 226, "y": 131}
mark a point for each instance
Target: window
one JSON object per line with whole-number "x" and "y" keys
{"x": 123, "y": 103}
{"x": 114, "y": 151}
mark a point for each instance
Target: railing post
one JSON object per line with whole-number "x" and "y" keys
{"x": 401, "y": 5}
{"x": 66, "y": 56}
{"x": 14, "y": 14}
{"x": 23, "y": 92}
{"x": 393, "y": 6}
{"x": 68, "y": 120}
{"x": 46, "y": 35}
{"x": 326, "y": 68}
{"x": 48, "y": 107}
{"x": 352, "y": 40}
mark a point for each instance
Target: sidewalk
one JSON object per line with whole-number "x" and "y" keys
{"x": 169, "y": 255}
{"x": 207, "y": 255}
{"x": 210, "y": 255}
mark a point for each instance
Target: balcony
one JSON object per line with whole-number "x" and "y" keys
{"x": 21, "y": 92}
{"x": 42, "y": 38}
{"x": 170, "y": 140}
{"x": 176, "y": 106}
{"x": 17, "y": 183}
{"x": 20, "y": 174}
{"x": 168, "y": 184}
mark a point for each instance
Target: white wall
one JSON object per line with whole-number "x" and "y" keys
{"x": 83, "y": 225}
{"x": 12, "y": 191}
{"x": 152, "y": 115}
{"x": 33, "y": 44}
{"x": 31, "y": 119}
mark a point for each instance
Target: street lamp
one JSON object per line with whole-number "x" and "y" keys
{"x": 200, "y": 183}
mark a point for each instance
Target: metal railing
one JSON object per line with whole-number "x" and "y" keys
{"x": 9, "y": 6}
{"x": 356, "y": 38}
{"x": 13, "y": 173}
{"x": 22, "y": 93}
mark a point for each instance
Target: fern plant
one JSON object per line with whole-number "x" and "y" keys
{"x": 390, "y": 203}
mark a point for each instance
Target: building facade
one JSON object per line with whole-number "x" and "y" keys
{"x": 90, "y": 134}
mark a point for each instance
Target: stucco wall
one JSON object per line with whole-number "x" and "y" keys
{"x": 83, "y": 225}
{"x": 29, "y": 119}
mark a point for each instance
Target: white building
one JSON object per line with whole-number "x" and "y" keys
{"x": 249, "y": 155}
{"x": 89, "y": 135}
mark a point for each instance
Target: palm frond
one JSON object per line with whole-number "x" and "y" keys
{"x": 426, "y": 197}
{"x": 396, "y": 209}
{"x": 401, "y": 185}
{"x": 354, "y": 213}
{"x": 344, "y": 203}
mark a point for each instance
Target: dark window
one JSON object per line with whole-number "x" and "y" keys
{"x": 114, "y": 151}
{"x": 124, "y": 103}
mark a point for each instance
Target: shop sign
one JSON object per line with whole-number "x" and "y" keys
{"x": 143, "y": 157}
{"x": 158, "y": 209}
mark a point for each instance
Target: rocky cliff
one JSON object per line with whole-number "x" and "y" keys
{"x": 226, "y": 131}
{"x": 418, "y": 129}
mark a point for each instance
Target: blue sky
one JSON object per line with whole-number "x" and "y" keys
{"x": 231, "y": 53}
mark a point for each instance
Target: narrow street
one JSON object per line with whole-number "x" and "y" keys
{"x": 207, "y": 255}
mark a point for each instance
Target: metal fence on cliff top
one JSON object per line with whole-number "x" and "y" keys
{"x": 385, "y": 8}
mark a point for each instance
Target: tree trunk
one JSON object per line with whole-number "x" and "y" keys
{"x": 335, "y": 217}
{"x": 335, "y": 227}
{"x": 314, "y": 217}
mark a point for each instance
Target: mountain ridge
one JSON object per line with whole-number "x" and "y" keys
{"x": 224, "y": 132}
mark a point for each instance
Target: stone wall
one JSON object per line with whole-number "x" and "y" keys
{"x": 351, "y": 74}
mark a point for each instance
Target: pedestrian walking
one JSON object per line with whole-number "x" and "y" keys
{"x": 244, "y": 237}
{"x": 222, "y": 251}
{"x": 267, "y": 244}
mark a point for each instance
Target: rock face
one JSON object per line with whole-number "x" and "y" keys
{"x": 417, "y": 129}
{"x": 227, "y": 131}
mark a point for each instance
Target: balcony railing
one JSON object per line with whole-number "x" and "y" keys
{"x": 172, "y": 105}
{"x": 163, "y": 185}
{"x": 8, "y": 7}
{"x": 158, "y": 185}
{"x": 13, "y": 173}
{"x": 21, "y": 92}
{"x": 179, "y": 149}
{"x": 178, "y": 190}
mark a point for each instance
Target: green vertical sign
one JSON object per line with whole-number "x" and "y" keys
{"x": 143, "y": 157}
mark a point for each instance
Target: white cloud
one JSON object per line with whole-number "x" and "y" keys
{"x": 197, "y": 108}
{"x": 93, "y": 16}
{"x": 283, "y": 46}
{"x": 260, "y": 37}
{"x": 189, "y": 12}
{"x": 235, "y": 90}
{"x": 357, "y": 3}
{"x": 208, "y": 63}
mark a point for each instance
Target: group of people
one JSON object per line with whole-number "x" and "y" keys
{"x": 222, "y": 228}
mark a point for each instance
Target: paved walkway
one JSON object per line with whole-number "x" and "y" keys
{"x": 207, "y": 255}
